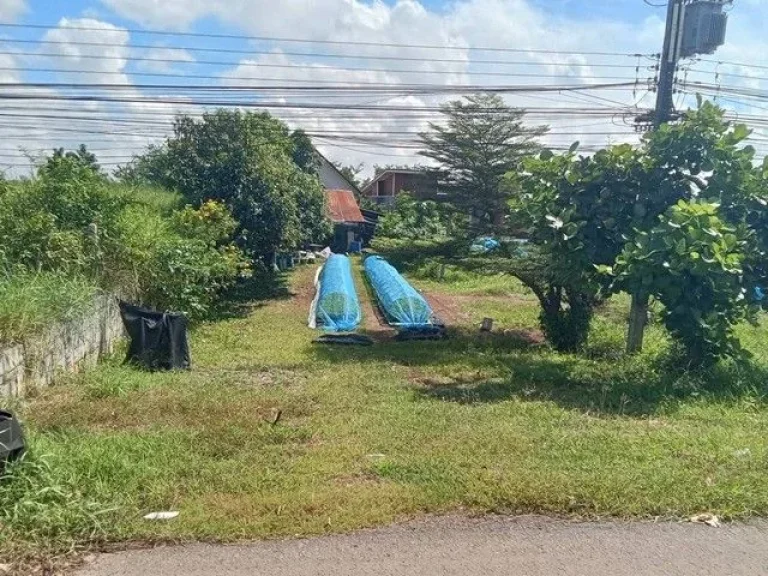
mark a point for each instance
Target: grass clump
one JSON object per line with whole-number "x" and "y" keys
{"x": 31, "y": 302}
{"x": 43, "y": 508}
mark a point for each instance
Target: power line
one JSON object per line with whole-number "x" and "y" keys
{"x": 523, "y": 88}
{"x": 358, "y": 56}
{"x": 248, "y": 64}
{"x": 149, "y": 32}
{"x": 351, "y": 88}
{"x": 728, "y": 63}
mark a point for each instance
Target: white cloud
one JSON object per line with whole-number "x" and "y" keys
{"x": 162, "y": 59}
{"x": 12, "y": 9}
{"x": 171, "y": 14}
{"x": 36, "y": 122}
{"x": 103, "y": 60}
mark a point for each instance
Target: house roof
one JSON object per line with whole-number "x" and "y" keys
{"x": 342, "y": 207}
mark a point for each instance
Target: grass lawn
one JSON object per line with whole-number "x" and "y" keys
{"x": 373, "y": 435}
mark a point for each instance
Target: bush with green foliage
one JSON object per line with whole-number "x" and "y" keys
{"x": 181, "y": 262}
{"x": 581, "y": 211}
{"x": 70, "y": 231}
{"x": 419, "y": 220}
{"x": 59, "y": 220}
{"x": 693, "y": 263}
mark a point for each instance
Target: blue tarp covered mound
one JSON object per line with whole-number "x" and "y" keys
{"x": 400, "y": 302}
{"x": 338, "y": 309}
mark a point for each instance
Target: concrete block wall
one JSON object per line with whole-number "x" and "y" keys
{"x": 66, "y": 347}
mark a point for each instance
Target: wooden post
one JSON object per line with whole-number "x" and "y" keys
{"x": 638, "y": 316}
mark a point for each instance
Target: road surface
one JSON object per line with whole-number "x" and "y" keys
{"x": 452, "y": 546}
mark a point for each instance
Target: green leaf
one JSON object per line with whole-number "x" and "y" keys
{"x": 574, "y": 147}
{"x": 547, "y": 154}
{"x": 740, "y": 132}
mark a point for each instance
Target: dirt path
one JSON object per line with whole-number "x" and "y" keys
{"x": 528, "y": 546}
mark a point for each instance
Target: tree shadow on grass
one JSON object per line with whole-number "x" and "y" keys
{"x": 249, "y": 294}
{"x": 466, "y": 346}
{"x": 626, "y": 387}
{"x": 473, "y": 368}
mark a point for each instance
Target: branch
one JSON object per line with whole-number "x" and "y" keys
{"x": 696, "y": 180}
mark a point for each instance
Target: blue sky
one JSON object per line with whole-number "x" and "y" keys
{"x": 573, "y": 29}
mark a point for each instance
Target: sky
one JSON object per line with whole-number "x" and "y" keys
{"x": 193, "y": 48}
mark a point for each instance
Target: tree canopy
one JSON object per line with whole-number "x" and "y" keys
{"x": 680, "y": 218}
{"x": 481, "y": 140}
{"x": 266, "y": 175}
{"x": 82, "y": 156}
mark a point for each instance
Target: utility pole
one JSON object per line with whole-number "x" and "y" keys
{"x": 669, "y": 58}
{"x": 638, "y": 312}
{"x": 702, "y": 34}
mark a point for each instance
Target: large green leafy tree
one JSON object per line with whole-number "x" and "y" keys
{"x": 481, "y": 140}
{"x": 249, "y": 162}
{"x": 582, "y": 211}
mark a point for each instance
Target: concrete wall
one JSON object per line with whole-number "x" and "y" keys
{"x": 69, "y": 347}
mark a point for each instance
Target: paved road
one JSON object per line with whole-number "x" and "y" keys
{"x": 526, "y": 546}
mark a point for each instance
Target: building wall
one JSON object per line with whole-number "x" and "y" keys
{"x": 66, "y": 347}
{"x": 332, "y": 179}
{"x": 422, "y": 186}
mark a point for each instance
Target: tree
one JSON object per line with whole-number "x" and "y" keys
{"x": 482, "y": 140}
{"x": 304, "y": 154}
{"x": 152, "y": 168}
{"x": 249, "y": 162}
{"x": 82, "y": 155}
{"x": 583, "y": 212}
{"x": 693, "y": 263}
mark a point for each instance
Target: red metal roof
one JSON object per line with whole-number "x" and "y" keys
{"x": 342, "y": 206}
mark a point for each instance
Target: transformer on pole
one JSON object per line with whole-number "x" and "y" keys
{"x": 694, "y": 27}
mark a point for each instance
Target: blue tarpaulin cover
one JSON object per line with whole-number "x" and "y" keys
{"x": 338, "y": 309}
{"x": 400, "y": 302}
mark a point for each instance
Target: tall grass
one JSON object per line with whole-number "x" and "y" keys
{"x": 160, "y": 201}
{"x": 40, "y": 506}
{"x": 31, "y": 302}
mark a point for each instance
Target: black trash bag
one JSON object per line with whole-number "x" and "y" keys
{"x": 158, "y": 340}
{"x": 11, "y": 438}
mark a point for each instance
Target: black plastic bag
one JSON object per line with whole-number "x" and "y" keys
{"x": 11, "y": 438}
{"x": 158, "y": 340}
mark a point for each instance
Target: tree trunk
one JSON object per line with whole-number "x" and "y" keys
{"x": 638, "y": 316}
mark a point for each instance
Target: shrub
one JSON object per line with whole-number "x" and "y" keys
{"x": 419, "y": 220}
{"x": 187, "y": 275}
{"x": 692, "y": 262}
{"x": 70, "y": 229}
{"x": 212, "y": 223}
{"x": 180, "y": 263}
